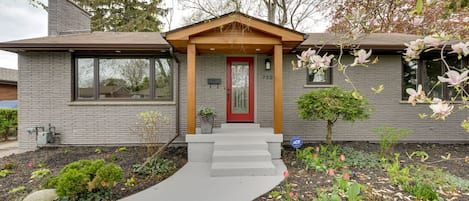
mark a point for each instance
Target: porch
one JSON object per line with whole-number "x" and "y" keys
{"x": 237, "y": 150}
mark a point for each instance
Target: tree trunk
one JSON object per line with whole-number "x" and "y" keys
{"x": 329, "y": 132}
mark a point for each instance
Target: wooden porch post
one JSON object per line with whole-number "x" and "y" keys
{"x": 278, "y": 63}
{"x": 191, "y": 97}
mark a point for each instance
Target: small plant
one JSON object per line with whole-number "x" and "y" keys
{"x": 389, "y": 137}
{"x": 98, "y": 151}
{"x": 121, "y": 149}
{"x": 423, "y": 155}
{"x": 421, "y": 191}
{"x": 40, "y": 173}
{"x": 8, "y": 165}
{"x": 331, "y": 105}
{"x": 130, "y": 182}
{"x": 206, "y": 112}
{"x": 17, "y": 189}
{"x": 85, "y": 178}
{"x": 360, "y": 159}
{"x": 66, "y": 151}
{"x": 148, "y": 124}
{"x": 4, "y": 173}
{"x": 155, "y": 166}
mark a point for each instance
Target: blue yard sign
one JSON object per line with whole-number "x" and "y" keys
{"x": 296, "y": 142}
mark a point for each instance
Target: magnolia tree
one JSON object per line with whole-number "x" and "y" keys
{"x": 446, "y": 45}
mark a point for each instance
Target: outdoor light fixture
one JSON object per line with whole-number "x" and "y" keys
{"x": 267, "y": 64}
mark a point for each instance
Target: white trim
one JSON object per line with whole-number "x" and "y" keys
{"x": 318, "y": 86}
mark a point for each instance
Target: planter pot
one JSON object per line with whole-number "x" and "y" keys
{"x": 206, "y": 124}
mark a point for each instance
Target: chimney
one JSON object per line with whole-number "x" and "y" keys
{"x": 66, "y": 17}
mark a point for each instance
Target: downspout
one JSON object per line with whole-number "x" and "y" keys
{"x": 176, "y": 62}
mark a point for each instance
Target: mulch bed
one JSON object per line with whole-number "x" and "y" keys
{"x": 307, "y": 183}
{"x": 56, "y": 158}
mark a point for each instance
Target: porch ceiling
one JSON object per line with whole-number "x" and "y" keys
{"x": 234, "y": 33}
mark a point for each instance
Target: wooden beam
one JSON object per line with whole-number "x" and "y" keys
{"x": 239, "y": 39}
{"x": 191, "y": 96}
{"x": 278, "y": 74}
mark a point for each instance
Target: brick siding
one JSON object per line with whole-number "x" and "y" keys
{"x": 45, "y": 94}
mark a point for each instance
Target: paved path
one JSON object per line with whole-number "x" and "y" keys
{"x": 8, "y": 148}
{"x": 193, "y": 182}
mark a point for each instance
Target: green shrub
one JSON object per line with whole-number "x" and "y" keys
{"x": 389, "y": 137}
{"x": 85, "y": 178}
{"x": 8, "y": 121}
{"x": 421, "y": 191}
{"x": 156, "y": 166}
{"x": 332, "y": 104}
{"x": 360, "y": 159}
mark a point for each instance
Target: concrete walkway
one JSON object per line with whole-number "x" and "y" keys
{"x": 193, "y": 182}
{"x": 8, "y": 148}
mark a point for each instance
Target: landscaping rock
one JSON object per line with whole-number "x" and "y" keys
{"x": 42, "y": 195}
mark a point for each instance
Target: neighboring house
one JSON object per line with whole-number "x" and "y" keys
{"x": 8, "y": 84}
{"x": 61, "y": 80}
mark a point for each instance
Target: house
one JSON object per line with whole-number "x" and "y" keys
{"x": 60, "y": 82}
{"x": 8, "y": 84}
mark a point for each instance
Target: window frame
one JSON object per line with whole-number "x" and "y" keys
{"x": 328, "y": 76}
{"x": 421, "y": 64}
{"x": 96, "y": 67}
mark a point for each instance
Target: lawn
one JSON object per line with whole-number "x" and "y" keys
{"x": 345, "y": 171}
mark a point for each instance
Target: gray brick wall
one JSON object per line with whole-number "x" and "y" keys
{"x": 45, "y": 89}
{"x": 8, "y": 74}
{"x": 389, "y": 111}
{"x": 388, "y": 107}
{"x": 65, "y": 17}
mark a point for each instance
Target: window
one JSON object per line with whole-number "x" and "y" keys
{"x": 319, "y": 78}
{"x": 121, "y": 78}
{"x": 425, "y": 71}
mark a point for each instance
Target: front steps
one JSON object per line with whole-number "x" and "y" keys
{"x": 241, "y": 157}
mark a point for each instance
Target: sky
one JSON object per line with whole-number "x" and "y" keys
{"x": 20, "y": 20}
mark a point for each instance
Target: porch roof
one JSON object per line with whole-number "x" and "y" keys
{"x": 90, "y": 41}
{"x": 234, "y": 33}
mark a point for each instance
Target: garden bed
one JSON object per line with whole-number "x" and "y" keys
{"x": 305, "y": 184}
{"x": 55, "y": 159}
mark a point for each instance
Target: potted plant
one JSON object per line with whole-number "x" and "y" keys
{"x": 207, "y": 117}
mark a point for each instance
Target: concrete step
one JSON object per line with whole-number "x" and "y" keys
{"x": 240, "y": 125}
{"x": 265, "y": 168}
{"x": 241, "y": 156}
{"x": 222, "y": 145}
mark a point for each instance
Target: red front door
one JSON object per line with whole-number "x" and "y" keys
{"x": 240, "y": 89}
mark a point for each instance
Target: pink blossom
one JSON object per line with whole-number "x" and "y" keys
{"x": 416, "y": 96}
{"x": 342, "y": 157}
{"x": 315, "y": 155}
{"x": 417, "y": 21}
{"x": 460, "y": 48}
{"x": 410, "y": 54}
{"x": 331, "y": 172}
{"x": 31, "y": 164}
{"x": 317, "y": 149}
{"x": 432, "y": 41}
{"x": 317, "y": 62}
{"x": 346, "y": 176}
{"x": 291, "y": 194}
{"x": 454, "y": 78}
{"x": 440, "y": 109}
{"x": 416, "y": 45}
{"x": 285, "y": 174}
{"x": 361, "y": 57}
{"x": 305, "y": 55}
